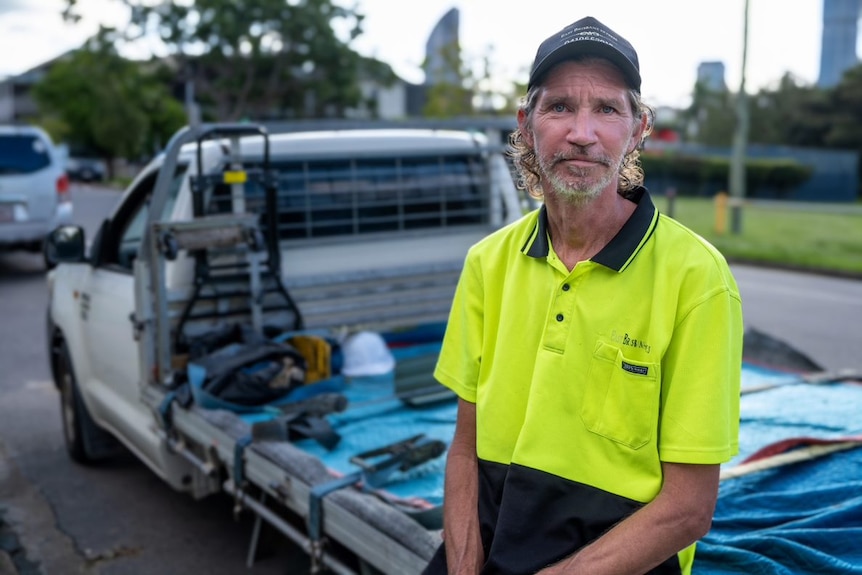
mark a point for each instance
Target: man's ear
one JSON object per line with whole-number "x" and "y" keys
{"x": 638, "y": 134}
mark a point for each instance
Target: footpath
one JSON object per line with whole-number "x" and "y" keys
{"x": 44, "y": 548}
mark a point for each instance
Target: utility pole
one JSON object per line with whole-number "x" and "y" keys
{"x": 740, "y": 142}
{"x": 192, "y": 109}
{"x": 193, "y": 112}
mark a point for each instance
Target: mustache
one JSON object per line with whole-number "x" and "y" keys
{"x": 580, "y": 155}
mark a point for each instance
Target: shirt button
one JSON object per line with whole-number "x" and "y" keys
{"x": 565, "y": 287}
{"x": 559, "y": 317}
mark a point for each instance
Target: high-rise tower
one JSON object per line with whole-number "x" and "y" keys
{"x": 838, "y": 43}
{"x": 442, "y": 51}
{"x": 711, "y": 76}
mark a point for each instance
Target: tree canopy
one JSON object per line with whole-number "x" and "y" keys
{"x": 106, "y": 105}
{"x": 257, "y": 59}
{"x": 790, "y": 114}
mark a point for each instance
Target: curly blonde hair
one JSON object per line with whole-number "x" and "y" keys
{"x": 527, "y": 164}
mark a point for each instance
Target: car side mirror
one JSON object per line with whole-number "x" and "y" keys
{"x": 65, "y": 245}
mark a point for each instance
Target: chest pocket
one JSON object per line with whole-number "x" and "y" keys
{"x": 621, "y": 398}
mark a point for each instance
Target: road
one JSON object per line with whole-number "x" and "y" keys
{"x": 120, "y": 519}
{"x": 817, "y": 315}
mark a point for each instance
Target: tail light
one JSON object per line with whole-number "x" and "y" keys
{"x": 63, "y": 188}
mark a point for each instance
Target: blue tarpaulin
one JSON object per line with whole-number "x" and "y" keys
{"x": 802, "y": 517}
{"x": 787, "y": 518}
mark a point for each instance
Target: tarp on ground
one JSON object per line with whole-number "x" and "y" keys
{"x": 796, "y": 518}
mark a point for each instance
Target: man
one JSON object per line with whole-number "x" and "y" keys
{"x": 595, "y": 345}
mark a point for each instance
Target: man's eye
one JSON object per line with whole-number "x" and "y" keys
{"x": 559, "y": 108}
{"x": 607, "y": 109}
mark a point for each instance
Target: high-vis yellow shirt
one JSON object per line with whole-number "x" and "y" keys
{"x": 586, "y": 381}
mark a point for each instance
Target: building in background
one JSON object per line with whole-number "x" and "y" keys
{"x": 710, "y": 75}
{"x": 17, "y": 105}
{"x": 838, "y": 43}
{"x": 442, "y": 51}
{"x": 838, "y": 40}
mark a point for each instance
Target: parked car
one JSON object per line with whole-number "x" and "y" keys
{"x": 34, "y": 188}
{"x": 85, "y": 169}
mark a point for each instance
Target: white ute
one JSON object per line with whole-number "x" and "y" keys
{"x": 327, "y": 232}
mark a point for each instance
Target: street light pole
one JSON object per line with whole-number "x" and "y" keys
{"x": 740, "y": 142}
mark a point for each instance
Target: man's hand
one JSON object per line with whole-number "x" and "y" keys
{"x": 679, "y": 515}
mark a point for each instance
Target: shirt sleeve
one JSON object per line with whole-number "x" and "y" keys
{"x": 461, "y": 353}
{"x": 700, "y": 393}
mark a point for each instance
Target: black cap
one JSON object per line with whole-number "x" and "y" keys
{"x": 588, "y": 37}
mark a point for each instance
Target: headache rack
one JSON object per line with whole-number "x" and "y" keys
{"x": 237, "y": 260}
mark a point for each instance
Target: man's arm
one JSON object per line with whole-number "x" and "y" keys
{"x": 679, "y": 515}
{"x": 464, "y": 553}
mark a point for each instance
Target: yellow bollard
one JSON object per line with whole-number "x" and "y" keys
{"x": 721, "y": 212}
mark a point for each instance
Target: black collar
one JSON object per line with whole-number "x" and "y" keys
{"x": 620, "y": 250}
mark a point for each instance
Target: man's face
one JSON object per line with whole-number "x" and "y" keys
{"x": 582, "y": 127}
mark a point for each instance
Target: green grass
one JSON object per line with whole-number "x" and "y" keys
{"x": 120, "y": 182}
{"x": 818, "y": 237}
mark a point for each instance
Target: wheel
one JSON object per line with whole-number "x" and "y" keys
{"x": 85, "y": 441}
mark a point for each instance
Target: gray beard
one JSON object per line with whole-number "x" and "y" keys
{"x": 577, "y": 189}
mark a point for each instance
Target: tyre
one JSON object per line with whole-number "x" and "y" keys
{"x": 85, "y": 441}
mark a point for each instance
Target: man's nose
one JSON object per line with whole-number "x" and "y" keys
{"x": 581, "y": 128}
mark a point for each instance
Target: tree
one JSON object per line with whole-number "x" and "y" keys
{"x": 845, "y": 128}
{"x": 710, "y": 117}
{"x": 792, "y": 114}
{"x": 258, "y": 58}
{"x": 493, "y": 97}
{"x": 810, "y": 117}
{"x": 106, "y": 105}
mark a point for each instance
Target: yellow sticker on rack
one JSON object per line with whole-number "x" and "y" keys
{"x": 235, "y": 177}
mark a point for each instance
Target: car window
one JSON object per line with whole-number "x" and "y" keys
{"x": 130, "y": 222}
{"x": 130, "y": 239}
{"x": 23, "y": 154}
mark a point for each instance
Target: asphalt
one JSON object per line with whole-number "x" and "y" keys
{"x": 13, "y": 557}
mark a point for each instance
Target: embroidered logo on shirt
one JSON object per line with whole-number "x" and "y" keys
{"x": 625, "y": 339}
{"x": 635, "y": 369}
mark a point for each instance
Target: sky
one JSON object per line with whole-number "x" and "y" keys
{"x": 672, "y": 37}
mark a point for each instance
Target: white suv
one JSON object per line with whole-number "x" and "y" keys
{"x": 34, "y": 188}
